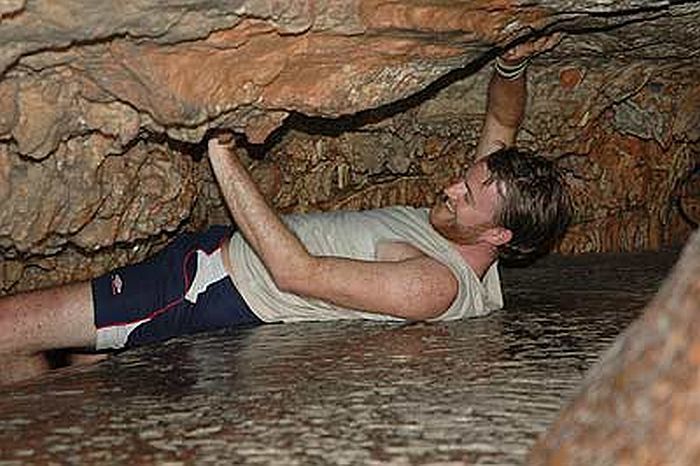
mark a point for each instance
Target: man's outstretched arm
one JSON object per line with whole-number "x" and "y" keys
{"x": 415, "y": 288}
{"x": 505, "y": 109}
{"x": 507, "y": 98}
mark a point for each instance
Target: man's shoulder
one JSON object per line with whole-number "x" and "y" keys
{"x": 400, "y": 213}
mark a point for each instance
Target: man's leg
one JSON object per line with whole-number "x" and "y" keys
{"x": 36, "y": 321}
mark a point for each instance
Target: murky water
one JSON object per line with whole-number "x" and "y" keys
{"x": 477, "y": 391}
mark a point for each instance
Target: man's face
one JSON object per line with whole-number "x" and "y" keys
{"x": 464, "y": 213}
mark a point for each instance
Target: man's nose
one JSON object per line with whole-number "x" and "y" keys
{"x": 456, "y": 189}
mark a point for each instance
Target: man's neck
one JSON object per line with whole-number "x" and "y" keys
{"x": 478, "y": 256}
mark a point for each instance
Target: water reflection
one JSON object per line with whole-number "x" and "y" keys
{"x": 475, "y": 389}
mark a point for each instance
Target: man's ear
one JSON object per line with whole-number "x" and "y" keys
{"x": 498, "y": 236}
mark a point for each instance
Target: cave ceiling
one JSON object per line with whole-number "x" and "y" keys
{"x": 340, "y": 104}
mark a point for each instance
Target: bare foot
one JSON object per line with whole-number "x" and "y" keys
{"x": 15, "y": 368}
{"x": 83, "y": 359}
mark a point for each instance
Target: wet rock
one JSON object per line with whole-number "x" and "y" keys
{"x": 639, "y": 405}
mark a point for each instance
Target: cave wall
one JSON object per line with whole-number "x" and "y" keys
{"x": 350, "y": 104}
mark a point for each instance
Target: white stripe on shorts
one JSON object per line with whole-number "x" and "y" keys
{"x": 115, "y": 336}
{"x": 210, "y": 269}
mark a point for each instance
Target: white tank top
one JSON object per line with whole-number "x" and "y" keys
{"x": 356, "y": 234}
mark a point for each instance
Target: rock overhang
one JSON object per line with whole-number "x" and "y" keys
{"x": 103, "y": 103}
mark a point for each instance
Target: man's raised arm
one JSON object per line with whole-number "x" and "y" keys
{"x": 507, "y": 95}
{"x": 416, "y": 288}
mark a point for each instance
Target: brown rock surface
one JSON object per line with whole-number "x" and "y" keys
{"x": 639, "y": 405}
{"x": 346, "y": 104}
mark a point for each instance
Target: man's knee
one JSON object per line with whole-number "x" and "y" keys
{"x": 60, "y": 317}
{"x": 10, "y": 318}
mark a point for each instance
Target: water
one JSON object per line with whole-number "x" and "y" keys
{"x": 477, "y": 391}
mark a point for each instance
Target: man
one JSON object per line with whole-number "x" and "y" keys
{"x": 395, "y": 263}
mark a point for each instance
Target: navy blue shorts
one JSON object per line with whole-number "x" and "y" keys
{"x": 183, "y": 289}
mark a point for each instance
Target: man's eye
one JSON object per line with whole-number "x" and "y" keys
{"x": 467, "y": 193}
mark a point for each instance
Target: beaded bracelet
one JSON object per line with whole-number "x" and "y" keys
{"x": 511, "y": 72}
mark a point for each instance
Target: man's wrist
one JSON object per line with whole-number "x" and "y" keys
{"x": 511, "y": 70}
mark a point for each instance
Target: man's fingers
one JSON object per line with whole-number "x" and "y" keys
{"x": 549, "y": 42}
{"x": 216, "y": 145}
{"x": 222, "y": 144}
{"x": 225, "y": 137}
{"x": 533, "y": 47}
